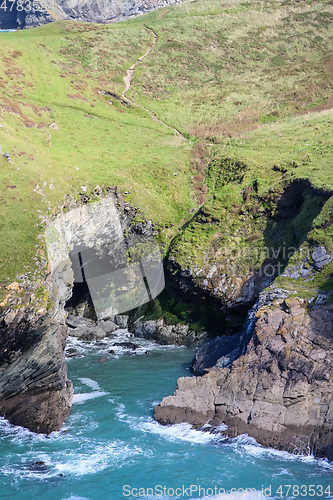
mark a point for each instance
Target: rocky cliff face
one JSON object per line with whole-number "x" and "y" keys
{"x": 98, "y": 11}
{"x": 278, "y": 391}
{"x": 34, "y": 389}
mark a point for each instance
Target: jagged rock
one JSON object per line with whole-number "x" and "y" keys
{"x": 182, "y": 407}
{"x": 167, "y": 334}
{"x": 102, "y": 360}
{"x": 305, "y": 273}
{"x": 121, "y": 321}
{"x": 222, "y": 350}
{"x": 34, "y": 389}
{"x": 96, "y": 12}
{"x": 279, "y": 391}
{"x": 75, "y": 321}
{"x": 321, "y": 258}
{"x": 71, "y": 352}
{"x": 108, "y": 326}
{"x": 146, "y": 329}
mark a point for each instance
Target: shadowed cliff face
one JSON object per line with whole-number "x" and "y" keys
{"x": 279, "y": 391}
{"x": 34, "y": 389}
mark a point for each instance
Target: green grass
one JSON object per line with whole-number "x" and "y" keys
{"x": 217, "y": 72}
{"x": 95, "y": 143}
{"x": 249, "y": 86}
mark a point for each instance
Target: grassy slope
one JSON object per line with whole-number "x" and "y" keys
{"x": 232, "y": 78}
{"x": 94, "y": 143}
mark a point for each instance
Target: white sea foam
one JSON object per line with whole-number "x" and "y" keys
{"x": 249, "y": 445}
{"x": 74, "y": 497}
{"x": 81, "y": 398}
{"x": 177, "y": 432}
{"x": 21, "y": 435}
{"x": 90, "y": 383}
{"x": 242, "y": 444}
{"x": 100, "y": 457}
{"x": 248, "y": 495}
{"x": 103, "y": 347}
{"x": 88, "y": 457}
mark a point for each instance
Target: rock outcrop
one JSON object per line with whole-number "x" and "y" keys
{"x": 99, "y": 11}
{"x": 34, "y": 389}
{"x": 167, "y": 334}
{"x": 279, "y": 390}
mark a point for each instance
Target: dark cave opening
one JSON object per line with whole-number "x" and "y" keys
{"x": 80, "y": 303}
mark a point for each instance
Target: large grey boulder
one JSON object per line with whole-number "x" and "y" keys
{"x": 108, "y": 327}
{"x": 75, "y": 321}
{"x": 321, "y": 258}
{"x": 88, "y": 333}
{"x": 121, "y": 320}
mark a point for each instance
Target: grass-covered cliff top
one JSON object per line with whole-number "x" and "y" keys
{"x": 245, "y": 80}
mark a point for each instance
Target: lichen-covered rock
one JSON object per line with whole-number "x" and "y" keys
{"x": 279, "y": 391}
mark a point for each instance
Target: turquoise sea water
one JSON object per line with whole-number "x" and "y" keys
{"x": 111, "y": 448}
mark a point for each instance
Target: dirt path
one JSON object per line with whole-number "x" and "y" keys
{"x": 130, "y": 71}
{"x": 128, "y": 85}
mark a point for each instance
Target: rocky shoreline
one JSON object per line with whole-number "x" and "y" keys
{"x": 35, "y": 319}
{"x": 274, "y": 382}
{"x": 272, "y": 379}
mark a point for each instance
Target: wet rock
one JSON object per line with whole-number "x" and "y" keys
{"x": 71, "y": 352}
{"x": 127, "y": 345}
{"x": 103, "y": 360}
{"x": 121, "y": 321}
{"x": 108, "y": 326}
{"x": 39, "y": 466}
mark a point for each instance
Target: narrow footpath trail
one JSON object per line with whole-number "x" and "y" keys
{"x": 128, "y": 84}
